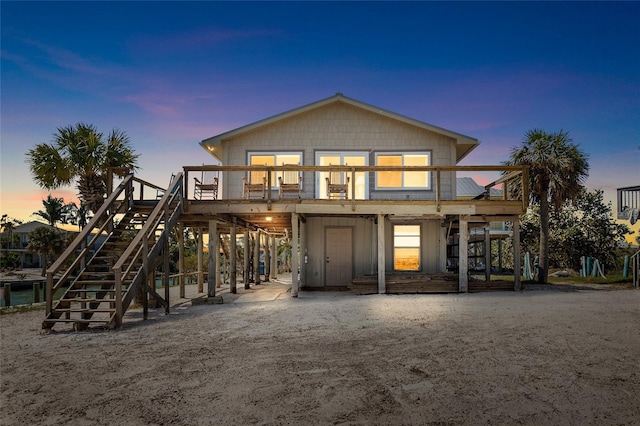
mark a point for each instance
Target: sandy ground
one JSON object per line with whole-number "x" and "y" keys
{"x": 544, "y": 356}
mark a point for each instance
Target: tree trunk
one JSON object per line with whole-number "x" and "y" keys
{"x": 543, "y": 266}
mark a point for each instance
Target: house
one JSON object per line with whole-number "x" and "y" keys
{"x": 396, "y": 213}
{"x": 20, "y": 241}
{"x": 366, "y": 200}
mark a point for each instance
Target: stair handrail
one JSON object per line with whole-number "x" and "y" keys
{"x": 106, "y": 212}
{"x": 139, "y": 245}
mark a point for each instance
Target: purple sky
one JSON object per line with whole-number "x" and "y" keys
{"x": 172, "y": 74}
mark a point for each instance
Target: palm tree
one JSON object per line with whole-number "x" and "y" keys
{"x": 55, "y": 210}
{"x": 78, "y": 215}
{"x": 557, "y": 172}
{"x": 7, "y": 225}
{"x": 80, "y": 153}
{"x": 47, "y": 242}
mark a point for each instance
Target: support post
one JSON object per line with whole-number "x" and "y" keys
{"x": 267, "y": 258}
{"x": 232, "y": 249}
{"x": 303, "y": 253}
{"x": 295, "y": 285}
{"x": 256, "y": 258}
{"x": 181, "y": 259}
{"x": 6, "y": 290}
{"x": 165, "y": 274}
{"x": 463, "y": 257}
{"x": 382, "y": 272}
{"x": 200, "y": 262}
{"x": 247, "y": 252}
{"x": 274, "y": 258}
{"x": 487, "y": 253}
{"x": 517, "y": 283}
{"x": 219, "y": 258}
{"x": 213, "y": 258}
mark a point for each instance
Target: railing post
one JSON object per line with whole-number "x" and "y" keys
{"x": 118, "y": 283}
{"x": 48, "y": 293}
{"x": 353, "y": 189}
{"x": 438, "y": 189}
{"x": 269, "y": 171}
{"x": 145, "y": 274}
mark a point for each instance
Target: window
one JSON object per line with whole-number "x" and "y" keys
{"x": 403, "y": 180}
{"x": 346, "y": 158}
{"x": 406, "y": 247}
{"x": 271, "y": 159}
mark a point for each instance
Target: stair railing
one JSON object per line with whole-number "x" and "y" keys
{"x": 146, "y": 247}
{"x": 101, "y": 222}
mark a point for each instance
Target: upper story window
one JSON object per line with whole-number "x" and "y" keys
{"x": 271, "y": 159}
{"x": 399, "y": 179}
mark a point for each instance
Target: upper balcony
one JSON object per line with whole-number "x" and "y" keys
{"x": 366, "y": 190}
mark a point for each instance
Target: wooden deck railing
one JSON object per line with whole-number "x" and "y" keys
{"x": 511, "y": 176}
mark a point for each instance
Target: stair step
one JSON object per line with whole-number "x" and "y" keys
{"x": 83, "y": 310}
{"x": 87, "y": 300}
{"x": 78, "y": 320}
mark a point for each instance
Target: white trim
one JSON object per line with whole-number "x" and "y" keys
{"x": 427, "y": 153}
{"x": 319, "y": 177}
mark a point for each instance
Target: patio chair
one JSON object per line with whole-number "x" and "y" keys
{"x": 256, "y": 184}
{"x": 290, "y": 182}
{"x": 205, "y": 191}
{"x": 338, "y": 184}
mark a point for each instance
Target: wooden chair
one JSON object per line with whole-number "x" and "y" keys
{"x": 290, "y": 182}
{"x": 205, "y": 191}
{"x": 338, "y": 184}
{"x": 254, "y": 187}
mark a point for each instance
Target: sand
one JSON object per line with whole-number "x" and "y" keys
{"x": 535, "y": 357}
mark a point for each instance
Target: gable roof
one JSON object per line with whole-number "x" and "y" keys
{"x": 27, "y": 227}
{"x": 468, "y": 187}
{"x": 464, "y": 144}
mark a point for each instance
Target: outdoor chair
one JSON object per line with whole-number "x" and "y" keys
{"x": 290, "y": 182}
{"x": 338, "y": 184}
{"x": 255, "y": 185}
{"x": 205, "y": 191}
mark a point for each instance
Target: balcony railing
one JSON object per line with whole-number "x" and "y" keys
{"x": 513, "y": 180}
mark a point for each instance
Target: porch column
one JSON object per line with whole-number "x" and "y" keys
{"x": 219, "y": 257}
{"x": 180, "y": 231}
{"x": 303, "y": 254}
{"x": 463, "y": 256}
{"x": 200, "y": 263}
{"x": 294, "y": 255}
{"x": 267, "y": 258}
{"x": 247, "y": 251}
{"x": 256, "y": 258}
{"x": 213, "y": 258}
{"x": 517, "y": 283}
{"x": 382, "y": 284}
{"x": 274, "y": 258}
{"x": 232, "y": 274}
{"x": 487, "y": 253}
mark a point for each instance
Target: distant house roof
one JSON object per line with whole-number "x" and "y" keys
{"x": 467, "y": 187}
{"x": 464, "y": 144}
{"x": 25, "y": 228}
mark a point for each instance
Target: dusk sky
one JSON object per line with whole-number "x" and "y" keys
{"x": 171, "y": 74}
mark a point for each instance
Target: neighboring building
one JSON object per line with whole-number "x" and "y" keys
{"x": 20, "y": 241}
{"x": 341, "y": 233}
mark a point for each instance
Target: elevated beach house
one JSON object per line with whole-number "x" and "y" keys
{"x": 370, "y": 194}
{"x": 365, "y": 197}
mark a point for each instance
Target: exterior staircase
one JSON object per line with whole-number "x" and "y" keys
{"x": 110, "y": 262}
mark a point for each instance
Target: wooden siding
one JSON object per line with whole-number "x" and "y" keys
{"x": 340, "y": 127}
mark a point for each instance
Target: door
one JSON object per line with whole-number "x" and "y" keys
{"x": 326, "y": 158}
{"x": 338, "y": 265}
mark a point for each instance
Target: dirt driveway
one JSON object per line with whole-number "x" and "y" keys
{"x": 535, "y": 357}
